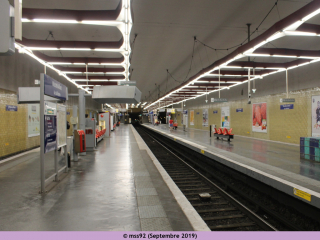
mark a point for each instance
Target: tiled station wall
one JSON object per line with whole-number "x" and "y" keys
{"x": 283, "y": 125}
{"x": 20, "y": 70}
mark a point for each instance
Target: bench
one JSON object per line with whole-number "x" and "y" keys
{"x": 223, "y": 134}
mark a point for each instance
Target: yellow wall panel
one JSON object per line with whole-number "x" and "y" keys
{"x": 282, "y": 125}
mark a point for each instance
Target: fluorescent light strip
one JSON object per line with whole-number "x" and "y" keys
{"x": 19, "y": 47}
{"x": 76, "y": 49}
{"x": 97, "y": 73}
{"x": 105, "y": 23}
{"x": 298, "y": 33}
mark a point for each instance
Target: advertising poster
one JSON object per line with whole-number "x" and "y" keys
{"x": 259, "y": 117}
{"x": 191, "y": 117}
{"x": 61, "y": 125}
{"x": 205, "y": 118}
{"x": 225, "y": 117}
{"x": 33, "y": 120}
{"x": 50, "y": 126}
{"x": 315, "y": 113}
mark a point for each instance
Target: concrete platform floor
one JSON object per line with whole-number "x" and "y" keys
{"x": 116, "y": 188}
{"x": 274, "y": 163}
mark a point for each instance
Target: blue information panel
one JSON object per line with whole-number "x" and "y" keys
{"x": 286, "y": 106}
{"x": 50, "y": 126}
{"x": 239, "y": 110}
{"x": 11, "y": 108}
{"x": 50, "y": 133}
{"x": 54, "y": 89}
{"x": 185, "y": 111}
{"x": 215, "y": 112}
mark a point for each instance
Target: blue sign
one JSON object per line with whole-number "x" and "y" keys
{"x": 215, "y": 112}
{"x": 54, "y": 89}
{"x": 11, "y": 108}
{"x": 185, "y": 111}
{"x": 198, "y": 113}
{"x": 239, "y": 110}
{"x": 286, "y": 106}
{"x": 50, "y": 133}
{"x": 68, "y": 113}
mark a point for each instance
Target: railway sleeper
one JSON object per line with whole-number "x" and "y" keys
{"x": 223, "y": 217}
{"x": 236, "y": 225}
{"x": 218, "y": 210}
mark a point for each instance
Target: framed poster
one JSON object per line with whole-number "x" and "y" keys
{"x": 61, "y": 125}
{"x": 225, "y": 117}
{"x": 259, "y": 117}
{"x": 50, "y": 126}
{"x": 33, "y": 120}
{"x": 191, "y": 117}
{"x": 315, "y": 113}
{"x": 205, "y": 118}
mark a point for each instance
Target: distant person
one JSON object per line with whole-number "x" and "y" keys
{"x": 171, "y": 124}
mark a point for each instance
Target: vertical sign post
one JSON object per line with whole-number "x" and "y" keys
{"x": 42, "y": 176}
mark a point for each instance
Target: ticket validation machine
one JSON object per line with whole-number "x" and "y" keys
{"x": 79, "y": 141}
{"x": 90, "y": 134}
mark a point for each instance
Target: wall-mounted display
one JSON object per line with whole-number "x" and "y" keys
{"x": 259, "y": 117}
{"x": 205, "y": 118}
{"x": 192, "y": 117}
{"x": 225, "y": 117}
{"x": 315, "y": 122}
{"x": 33, "y": 119}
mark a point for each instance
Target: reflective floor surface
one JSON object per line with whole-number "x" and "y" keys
{"x": 99, "y": 194}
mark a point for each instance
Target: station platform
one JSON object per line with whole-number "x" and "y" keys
{"x": 273, "y": 163}
{"x": 118, "y": 187}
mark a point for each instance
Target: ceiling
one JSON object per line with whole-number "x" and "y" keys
{"x": 165, "y": 32}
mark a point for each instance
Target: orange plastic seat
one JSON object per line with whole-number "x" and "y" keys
{"x": 225, "y": 131}
{"x": 230, "y": 132}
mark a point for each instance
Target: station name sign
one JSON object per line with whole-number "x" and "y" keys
{"x": 11, "y": 108}
{"x": 284, "y": 100}
{"x": 219, "y": 100}
{"x": 239, "y": 110}
{"x": 286, "y": 106}
{"x": 55, "y": 89}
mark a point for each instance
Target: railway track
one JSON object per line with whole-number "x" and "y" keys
{"x": 221, "y": 211}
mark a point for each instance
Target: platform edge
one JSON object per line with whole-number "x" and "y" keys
{"x": 194, "y": 218}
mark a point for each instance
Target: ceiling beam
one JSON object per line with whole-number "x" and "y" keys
{"x": 311, "y": 28}
{"x": 90, "y": 69}
{"x": 70, "y": 44}
{"x": 77, "y": 59}
{"x": 242, "y": 73}
{"x": 223, "y": 79}
{"x": 78, "y": 15}
{"x": 211, "y": 85}
{"x": 257, "y": 65}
